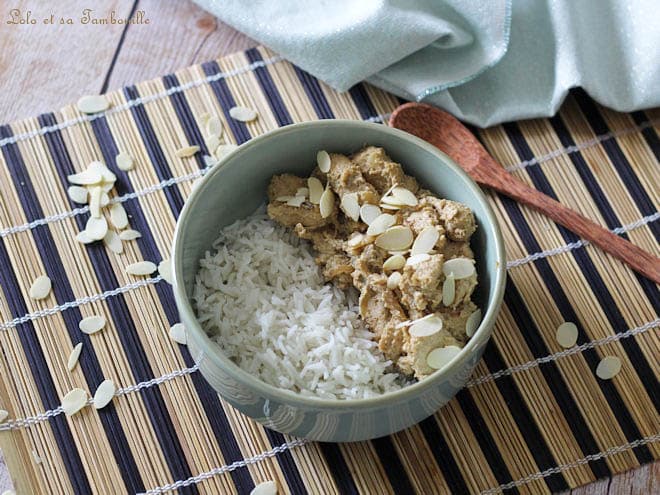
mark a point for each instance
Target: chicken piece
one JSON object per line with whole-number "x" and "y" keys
{"x": 417, "y": 349}
{"x": 330, "y": 256}
{"x": 345, "y": 177}
{"x": 381, "y": 171}
{"x": 284, "y": 185}
{"x": 421, "y": 284}
{"x": 307, "y": 214}
{"x": 456, "y": 218}
{"x": 369, "y": 261}
{"x": 454, "y": 320}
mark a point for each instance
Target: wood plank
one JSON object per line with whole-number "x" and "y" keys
{"x": 44, "y": 66}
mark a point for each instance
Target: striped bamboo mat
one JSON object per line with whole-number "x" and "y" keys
{"x": 534, "y": 418}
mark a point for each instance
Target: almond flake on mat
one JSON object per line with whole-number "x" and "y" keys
{"x": 369, "y": 213}
{"x": 104, "y": 394}
{"x": 212, "y": 143}
{"x": 74, "y": 356}
{"x": 381, "y": 223}
{"x": 92, "y": 324}
{"x": 265, "y": 488}
{"x": 349, "y": 203}
{"x": 129, "y": 235}
{"x": 323, "y": 161}
{"x": 315, "y": 190}
{"x": 105, "y": 199}
{"x": 124, "y": 161}
{"x": 74, "y": 401}
{"x": 87, "y": 177}
{"x": 93, "y": 104}
{"x": 3, "y": 415}
{"x": 395, "y": 262}
{"x": 40, "y": 288}
{"x": 327, "y": 203}
{"x": 95, "y": 201}
{"x": 242, "y": 114}
{"x": 395, "y": 238}
{"x": 165, "y": 270}
{"x": 449, "y": 290}
{"x": 83, "y": 237}
{"x": 78, "y": 194}
{"x": 113, "y": 242}
{"x": 425, "y": 241}
{"x": 141, "y": 268}
{"x": 418, "y": 258}
{"x": 187, "y": 151}
{"x": 96, "y": 228}
{"x": 296, "y": 201}
{"x": 118, "y": 216}
{"x": 178, "y": 333}
{"x": 460, "y": 267}
{"x": 567, "y": 334}
{"x": 224, "y": 149}
{"x": 439, "y": 357}
{"x": 426, "y": 326}
{"x": 214, "y": 126}
{"x": 393, "y": 280}
{"x": 472, "y": 323}
{"x": 608, "y": 367}
{"x": 405, "y": 196}
{"x": 209, "y": 161}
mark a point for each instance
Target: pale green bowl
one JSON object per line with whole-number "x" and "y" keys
{"x": 237, "y": 186}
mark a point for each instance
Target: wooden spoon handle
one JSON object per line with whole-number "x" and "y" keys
{"x": 638, "y": 259}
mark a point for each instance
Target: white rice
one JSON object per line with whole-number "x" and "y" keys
{"x": 263, "y": 297}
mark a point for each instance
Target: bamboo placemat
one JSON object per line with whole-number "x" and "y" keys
{"x": 533, "y": 419}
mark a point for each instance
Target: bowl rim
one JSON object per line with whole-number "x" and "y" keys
{"x": 268, "y": 391}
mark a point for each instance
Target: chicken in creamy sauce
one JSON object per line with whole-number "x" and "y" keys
{"x": 413, "y": 300}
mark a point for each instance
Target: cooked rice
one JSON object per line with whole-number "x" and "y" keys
{"x": 263, "y": 297}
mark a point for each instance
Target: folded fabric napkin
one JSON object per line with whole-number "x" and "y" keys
{"x": 484, "y": 61}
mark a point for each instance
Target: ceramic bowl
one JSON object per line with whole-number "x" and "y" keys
{"x": 235, "y": 188}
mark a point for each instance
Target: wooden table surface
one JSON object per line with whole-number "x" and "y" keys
{"x": 44, "y": 66}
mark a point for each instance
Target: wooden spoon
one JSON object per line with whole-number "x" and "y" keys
{"x": 447, "y": 133}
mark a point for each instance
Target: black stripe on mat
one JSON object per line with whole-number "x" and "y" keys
{"x": 285, "y": 459}
{"x": 209, "y": 398}
{"x": 362, "y": 102}
{"x": 315, "y": 94}
{"x": 269, "y": 88}
{"x": 596, "y": 283}
{"x": 88, "y": 362}
{"x": 336, "y": 461}
{"x": 389, "y": 458}
{"x": 649, "y": 133}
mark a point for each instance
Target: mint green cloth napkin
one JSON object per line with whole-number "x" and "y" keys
{"x": 484, "y": 61}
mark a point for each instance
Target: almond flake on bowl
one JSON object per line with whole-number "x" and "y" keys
{"x": 395, "y": 238}
{"x": 425, "y": 241}
{"x": 141, "y": 268}
{"x": 369, "y": 213}
{"x": 327, "y": 203}
{"x": 426, "y": 326}
{"x": 93, "y": 104}
{"x": 187, "y": 151}
{"x": 315, "y": 188}
{"x": 438, "y": 358}
{"x": 242, "y": 114}
{"x": 460, "y": 267}
{"x": 323, "y": 161}
{"x": 472, "y": 323}
{"x": 74, "y": 401}
{"x": 104, "y": 394}
{"x": 381, "y": 223}
{"x": 40, "y": 288}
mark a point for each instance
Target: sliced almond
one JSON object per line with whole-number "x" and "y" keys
{"x": 395, "y": 238}
{"x": 425, "y": 241}
{"x": 608, "y": 367}
{"x": 93, "y": 104}
{"x": 105, "y": 199}
{"x": 242, "y": 114}
{"x": 472, "y": 323}
{"x": 187, "y": 151}
{"x": 118, "y": 216}
{"x": 113, "y": 242}
{"x": 567, "y": 334}
{"x": 224, "y": 149}
{"x": 385, "y": 206}
{"x": 92, "y": 324}
{"x": 83, "y": 237}
{"x": 418, "y": 258}
{"x": 209, "y": 161}
{"x": 323, "y": 161}
{"x": 78, "y": 194}
{"x": 405, "y": 196}
{"x": 40, "y": 288}
{"x": 440, "y": 357}
{"x": 355, "y": 239}
{"x": 214, "y": 126}
{"x": 426, "y": 326}
{"x": 96, "y": 228}
{"x": 212, "y": 143}
{"x": 74, "y": 401}
{"x": 393, "y": 280}
{"x": 349, "y": 204}
{"x": 3, "y": 415}
{"x": 296, "y": 201}
{"x": 315, "y": 190}
{"x": 460, "y": 267}
{"x": 165, "y": 270}
{"x": 402, "y": 253}
{"x": 283, "y": 199}
{"x": 265, "y": 488}
{"x": 387, "y": 193}
{"x": 302, "y": 191}
{"x": 369, "y": 213}
{"x": 95, "y": 201}
{"x": 86, "y": 177}
{"x": 327, "y": 203}
{"x": 449, "y": 290}
{"x": 395, "y": 262}
{"x": 129, "y": 235}
{"x": 74, "y": 356}
{"x": 106, "y": 186}
{"x": 124, "y": 161}
{"x": 104, "y": 394}
{"x": 141, "y": 268}
{"x": 178, "y": 333}
{"x": 381, "y": 223}
{"x": 99, "y": 168}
